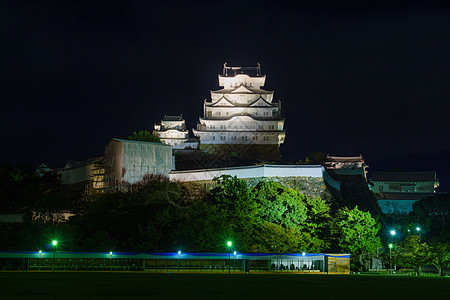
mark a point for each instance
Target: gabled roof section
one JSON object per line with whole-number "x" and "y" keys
{"x": 404, "y": 176}
{"x": 242, "y": 89}
{"x": 223, "y": 102}
{"x": 261, "y": 102}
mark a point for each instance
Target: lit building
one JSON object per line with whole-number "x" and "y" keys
{"x": 396, "y": 192}
{"x": 242, "y": 117}
{"x": 346, "y": 165}
{"x": 172, "y": 131}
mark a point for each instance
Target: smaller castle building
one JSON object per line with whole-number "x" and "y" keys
{"x": 172, "y": 131}
{"x": 396, "y": 192}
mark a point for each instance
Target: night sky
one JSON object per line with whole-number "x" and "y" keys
{"x": 371, "y": 80}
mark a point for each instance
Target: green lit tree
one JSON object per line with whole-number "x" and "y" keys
{"x": 144, "y": 136}
{"x": 356, "y": 233}
{"x": 439, "y": 254}
{"x": 413, "y": 254}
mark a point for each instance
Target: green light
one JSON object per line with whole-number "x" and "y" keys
{"x": 391, "y": 246}
{"x": 54, "y": 242}
{"x": 229, "y": 243}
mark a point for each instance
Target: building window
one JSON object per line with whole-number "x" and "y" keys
{"x": 213, "y": 137}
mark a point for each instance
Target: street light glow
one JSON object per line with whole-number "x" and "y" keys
{"x": 418, "y": 228}
{"x": 393, "y": 232}
{"x": 179, "y": 252}
{"x": 234, "y": 253}
{"x": 54, "y": 242}
{"x": 303, "y": 253}
{"x": 391, "y": 246}
{"x": 110, "y": 252}
{"x": 40, "y": 251}
{"x": 229, "y": 243}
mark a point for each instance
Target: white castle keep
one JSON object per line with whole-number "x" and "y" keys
{"x": 242, "y": 115}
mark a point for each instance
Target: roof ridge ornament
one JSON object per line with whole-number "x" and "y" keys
{"x": 240, "y": 70}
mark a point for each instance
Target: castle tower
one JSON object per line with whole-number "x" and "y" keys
{"x": 172, "y": 131}
{"x": 242, "y": 117}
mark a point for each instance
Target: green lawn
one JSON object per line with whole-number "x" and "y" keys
{"x": 32, "y": 285}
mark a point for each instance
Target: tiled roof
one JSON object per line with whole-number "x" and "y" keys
{"x": 173, "y": 118}
{"x": 404, "y": 196}
{"x": 345, "y": 158}
{"x": 404, "y": 176}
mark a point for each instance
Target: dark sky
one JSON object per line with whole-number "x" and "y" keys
{"x": 353, "y": 78}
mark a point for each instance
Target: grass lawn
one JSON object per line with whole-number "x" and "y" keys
{"x": 32, "y": 285}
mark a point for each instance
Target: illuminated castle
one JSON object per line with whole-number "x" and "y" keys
{"x": 242, "y": 117}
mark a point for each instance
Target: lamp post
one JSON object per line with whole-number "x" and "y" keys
{"x": 54, "y": 244}
{"x": 234, "y": 253}
{"x": 40, "y": 256}
{"x": 229, "y": 244}
{"x": 418, "y": 229}
{"x": 110, "y": 261}
{"x": 179, "y": 253}
{"x": 303, "y": 257}
{"x": 390, "y": 256}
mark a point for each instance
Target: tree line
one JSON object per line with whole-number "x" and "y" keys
{"x": 164, "y": 216}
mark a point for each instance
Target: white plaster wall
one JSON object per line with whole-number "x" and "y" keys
{"x": 249, "y": 172}
{"x": 229, "y": 82}
{"x": 228, "y": 137}
{"x": 242, "y": 123}
{"x": 265, "y": 112}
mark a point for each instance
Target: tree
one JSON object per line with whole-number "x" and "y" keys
{"x": 356, "y": 232}
{"x": 279, "y": 204}
{"x": 434, "y": 213}
{"x": 236, "y": 209}
{"x": 144, "y": 136}
{"x": 413, "y": 254}
{"x": 439, "y": 254}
